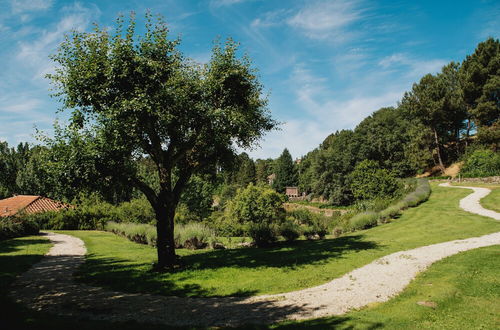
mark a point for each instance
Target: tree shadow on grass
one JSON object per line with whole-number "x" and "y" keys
{"x": 282, "y": 255}
{"x": 48, "y": 287}
{"x": 130, "y": 276}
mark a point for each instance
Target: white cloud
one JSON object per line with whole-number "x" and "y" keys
{"x": 21, "y": 6}
{"x": 327, "y": 19}
{"x": 22, "y": 107}
{"x": 222, "y": 3}
{"x": 269, "y": 19}
{"x": 35, "y": 53}
{"x": 415, "y": 68}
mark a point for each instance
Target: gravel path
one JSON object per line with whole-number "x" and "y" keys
{"x": 471, "y": 202}
{"x": 49, "y": 287}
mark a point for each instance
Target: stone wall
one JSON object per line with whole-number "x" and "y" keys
{"x": 490, "y": 179}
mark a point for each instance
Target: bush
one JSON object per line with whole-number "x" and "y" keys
{"x": 194, "y": 235}
{"x": 263, "y": 234}
{"x": 190, "y": 236}
{"x": 256, "y": 204}
{"x": 316, "y": 224}
{"x": 290, "y": 231}
{"x": 368, "y": 181}
{"x": 11, "y": 227}
{"x": 138, "y": 233}
{"x": 481, "y": 163}
{"x": 363, "y": 220}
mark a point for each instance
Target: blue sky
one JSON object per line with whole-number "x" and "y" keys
{"x": 326, "y": 64}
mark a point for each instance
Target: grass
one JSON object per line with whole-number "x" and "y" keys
{"x": 119, "y": 264}
{"x": 492, "y": 201}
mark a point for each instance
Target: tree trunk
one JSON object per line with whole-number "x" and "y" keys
{"x": 165, "y": 243}
{"x": 438, "y": 149}
{"x": 467, "y": 134}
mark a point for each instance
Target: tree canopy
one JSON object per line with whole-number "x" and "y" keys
{"x": 139, "y": 95}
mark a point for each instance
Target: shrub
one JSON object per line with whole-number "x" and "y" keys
{"x": 368, "y": 181}
{"x": 11, "y": 227}
{"x": 139, "y": 233}
{"x": 263, "y": 234}
{"x": 290, "y": 231}
{"x": 390, "y": 212}
{"x": 256, "y": 204}
{"x": 363, "y": 220}
{"x": 194, "y": 235}
{"x": 481, "y": 163}
{"x": 191, "y": 235}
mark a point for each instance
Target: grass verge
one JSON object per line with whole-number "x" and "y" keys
{"x": 119, "y": 264}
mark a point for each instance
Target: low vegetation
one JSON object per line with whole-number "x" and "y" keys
{"x": 191, "y": 235}
{"x": 481, "y": 163}
{"x": 11, "y": 227}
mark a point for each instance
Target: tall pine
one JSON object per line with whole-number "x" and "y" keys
{"x": 286, "y": 172}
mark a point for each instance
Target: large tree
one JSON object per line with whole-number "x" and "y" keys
{"x": 141, "y": 96}
{"x": 436, "y": 102}
{"x": 480, "y": 73}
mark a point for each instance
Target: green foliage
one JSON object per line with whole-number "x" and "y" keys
{"x": 194, "y": 235}
{"x": 263, "y": 168}
{"x": 363, "y": 220}
{"x": 314, "y": 223}
{"x": 11, "y": 227}
{"x": 190, "y": 235}
{"x": 139, "y": 95}
{"x": 93, "y": 213}
{"x": 263, "y": 234}
{"x": 256, "y": 204}
{"x": 368, "y": 181}
{"x": 287, "y": 267}
{"x": 286, "y": 172}
{"x": 138, "y": 233}
{"x": 290, "y": 230}
{"x": 480, "y": 74}
{"x": 481, "y": 163}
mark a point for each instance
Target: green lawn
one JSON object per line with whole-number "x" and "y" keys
{"x": 120, "y": 264}
{"x": 465, "y": 288}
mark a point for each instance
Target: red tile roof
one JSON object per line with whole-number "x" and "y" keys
{"x": 29, "y": 204}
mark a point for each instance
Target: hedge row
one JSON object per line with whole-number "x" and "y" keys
{"x": 11, "y": 227}
{"x": 370, "y": 218}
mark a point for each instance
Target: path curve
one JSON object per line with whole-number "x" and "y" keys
{"x": 49, "y": 287}
{"x": 471, "y": 202}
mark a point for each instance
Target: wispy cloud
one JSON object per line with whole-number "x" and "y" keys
{"x": 415, "y": 68}
{"x": 26, "y": 105}
{"x": 327, "y": 19}
{"x": 35, "y": 53}
{"x": 272, "y": 18}
{"x": 21, "y": 6}
{"x": 222, "y": 3}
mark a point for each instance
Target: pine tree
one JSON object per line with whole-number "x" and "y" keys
{"x": 286, "y": 172}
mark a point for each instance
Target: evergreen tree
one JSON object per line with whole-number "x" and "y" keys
{"x": 246, "y": 170}
{"x": 480, "y": 73}
{"x": 286, "y": 172}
